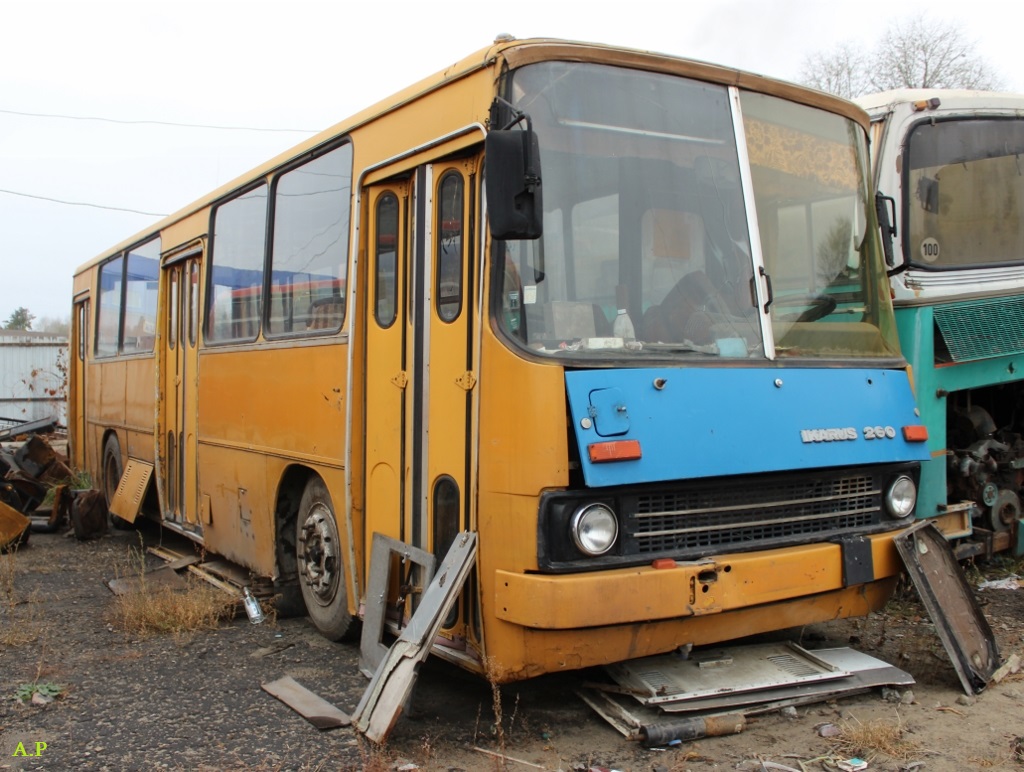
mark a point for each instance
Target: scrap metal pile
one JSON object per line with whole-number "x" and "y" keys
{"x": 38, "y": 493}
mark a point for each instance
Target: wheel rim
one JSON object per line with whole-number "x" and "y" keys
{"x": 318, "y": 554}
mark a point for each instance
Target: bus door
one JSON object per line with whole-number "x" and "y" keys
{"x": 180, "y": 387}
{"x": 77, "y": 351}
{"x": 420, "y": 371}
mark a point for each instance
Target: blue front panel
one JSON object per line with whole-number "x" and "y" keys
{"x": 708, "y": 422}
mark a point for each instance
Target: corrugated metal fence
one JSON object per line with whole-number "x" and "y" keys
{"x": 33, "y": 376}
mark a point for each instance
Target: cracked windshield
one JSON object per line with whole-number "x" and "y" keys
{"x": 647, "y": 245}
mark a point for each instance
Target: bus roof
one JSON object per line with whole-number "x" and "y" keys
{"x": 516, "y": 53}
{"x": 956, "y": 98}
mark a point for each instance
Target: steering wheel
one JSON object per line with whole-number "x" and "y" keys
{"x": 820, "y": 306}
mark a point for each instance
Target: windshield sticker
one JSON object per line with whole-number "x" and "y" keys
{"x": 930, "y": 250}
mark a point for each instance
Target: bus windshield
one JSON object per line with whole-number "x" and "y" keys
{"x": 647, "y": 236}
{"x": 964, "y": 193}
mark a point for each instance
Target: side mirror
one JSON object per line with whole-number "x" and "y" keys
{"x": 887, "y": 225}
{"x": 515, "y": 209}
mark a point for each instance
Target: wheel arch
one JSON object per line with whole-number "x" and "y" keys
{"x": 286, "y": 509}
{"x": 101, "y": 468}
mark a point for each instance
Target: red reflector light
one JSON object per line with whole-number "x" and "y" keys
{"x": 915, "y": 433}
{"x": 617, "y": 450}
{"x": 663, "y": 563}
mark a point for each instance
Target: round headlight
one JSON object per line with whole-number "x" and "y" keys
{"x": 594, "y": 529}
{"x": 901, "y": 497}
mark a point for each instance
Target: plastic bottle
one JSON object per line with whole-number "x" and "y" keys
{"x": 622, "y": 327}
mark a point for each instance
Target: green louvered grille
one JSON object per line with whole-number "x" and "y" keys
{"x": 982, "y": 328}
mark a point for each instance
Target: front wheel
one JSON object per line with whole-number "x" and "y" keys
{"x": 321, "y": 565}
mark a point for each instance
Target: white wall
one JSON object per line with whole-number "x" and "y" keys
{"x": 33, "y": 376}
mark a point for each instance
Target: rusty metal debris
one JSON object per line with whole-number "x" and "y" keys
{"x": 29, "y": 473}
{"x": 658, "y": 700}
{"x": 12, "y": 428}
{"x": 14, "y": 527}
{"x": 945, "y": 593}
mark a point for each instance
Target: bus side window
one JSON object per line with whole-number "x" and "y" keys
{"x": 326, "y": 313}
{"x": 512, "y": 311}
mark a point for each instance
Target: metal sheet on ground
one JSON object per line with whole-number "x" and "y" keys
{"x": 670, "y": 678}
{"x": 638, "y": 719}
{"x": 865, "y": 673}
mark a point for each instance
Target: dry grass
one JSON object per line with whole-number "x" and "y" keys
{"x": 500, "y": 733}
{"x": 878, "y": 736}
{"x": 152, "y": 610}
{"x": 8, "y": 572}
{"x": 23, "y": 623}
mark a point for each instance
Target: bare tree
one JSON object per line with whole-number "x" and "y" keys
{"x": 917, "y": 52}
{"x": 843, "y": 72}
{"x": 54, "y": 324}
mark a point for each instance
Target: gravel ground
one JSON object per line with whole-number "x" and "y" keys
{"x": 194, "y": 702}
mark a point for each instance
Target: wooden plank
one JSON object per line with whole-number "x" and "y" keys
{"x": 312, "y": 707}
{"x": 165, "y": 553}
{"x": 162, "y": 577}
{"x": 230, "y": 589}
{"x": 183, "y": 562}
{"x": 227, "y": 571}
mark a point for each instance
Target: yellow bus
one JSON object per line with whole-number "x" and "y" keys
{"x": 622, "y": 315}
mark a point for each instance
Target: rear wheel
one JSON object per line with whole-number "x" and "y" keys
{"x": 320, "y": 563}
{"x": 111, "y": 467}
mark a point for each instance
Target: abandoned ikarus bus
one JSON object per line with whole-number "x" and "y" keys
{"x": 952, "y": 161}
{"x": 622, "y": 316}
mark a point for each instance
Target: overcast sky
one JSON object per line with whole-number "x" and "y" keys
{"x": 306, "y": 65}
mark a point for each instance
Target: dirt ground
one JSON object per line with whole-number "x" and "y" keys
{"x": 194, "y": 702}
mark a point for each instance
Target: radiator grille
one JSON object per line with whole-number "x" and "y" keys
{"x": 982, "y": 328}
{"x": 729, "y": 517}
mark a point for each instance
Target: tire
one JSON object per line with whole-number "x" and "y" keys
{"x": 321, "y": 565}
{"x": 112, "y": 471}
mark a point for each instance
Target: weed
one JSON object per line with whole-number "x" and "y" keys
{"x": 47, "y": 689}
{"x": 499, "y": 723}
{"x": 149, "y": 608}
{"x": 79, "y": 480}
{"x": 8, "y": 571}
{"x": 879, "y": 736}
{"x": 20, "y": 620}
{"x": 374, "y": 758}
{"x": 24, "y": 624}
{"x": 499, "y": 731}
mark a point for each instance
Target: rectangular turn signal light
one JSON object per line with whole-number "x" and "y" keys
{"x": 616, "y": 450}
{"x": 915, "y": 433}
